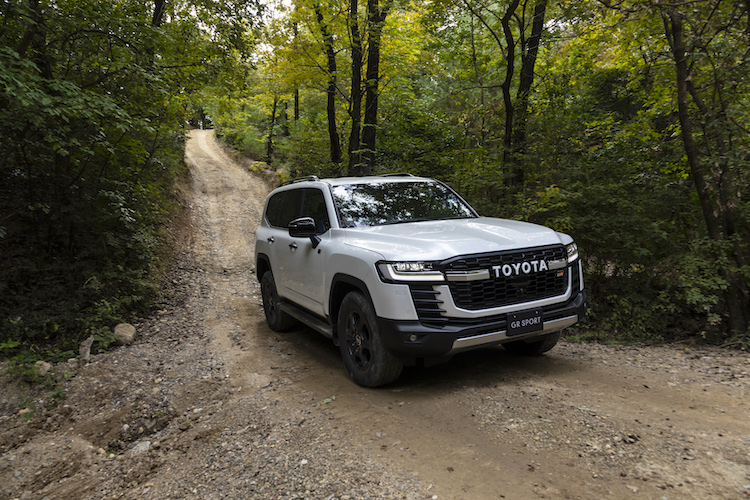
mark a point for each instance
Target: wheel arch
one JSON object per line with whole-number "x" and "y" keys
{"x": 341, "y": 285}
{"x": 262, "y": 264}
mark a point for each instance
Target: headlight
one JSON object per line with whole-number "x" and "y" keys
{"x": 572, "y": 252}
{"x": 409, "y": 271}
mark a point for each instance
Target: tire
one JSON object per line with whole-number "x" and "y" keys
{"x": 366, "y": 359}
{"x": 277, "y": 319}
{"x": 535, "y": 348}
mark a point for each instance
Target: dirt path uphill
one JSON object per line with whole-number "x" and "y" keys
{"x": 209, "y": 403}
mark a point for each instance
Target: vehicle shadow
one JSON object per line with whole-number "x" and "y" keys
{"x": 484, "y": 367}
{"x": 477, "y": 368}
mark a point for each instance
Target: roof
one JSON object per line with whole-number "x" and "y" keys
{"x": 337, "y": 181}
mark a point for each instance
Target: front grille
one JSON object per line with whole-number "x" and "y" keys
{"x": 504, "y": 291}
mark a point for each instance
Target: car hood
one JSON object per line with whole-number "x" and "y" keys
{"x": 438, "y": 240}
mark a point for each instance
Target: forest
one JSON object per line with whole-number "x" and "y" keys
{"x": 625, "y": 123}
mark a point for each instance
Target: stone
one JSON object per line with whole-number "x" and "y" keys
{"x": 140, "y": 448}
{"x": 43, "y": 367}
{"x": 85, "y": 350}
{"x": 125, "y": 333}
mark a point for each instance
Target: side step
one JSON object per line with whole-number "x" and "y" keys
{"x": 310, "y": 320}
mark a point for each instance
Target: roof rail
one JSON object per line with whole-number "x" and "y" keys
{"x": 403, "y": 174}
{"x": 309, "y": 178}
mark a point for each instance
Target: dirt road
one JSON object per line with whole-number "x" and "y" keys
{"x": 209, "y": 403}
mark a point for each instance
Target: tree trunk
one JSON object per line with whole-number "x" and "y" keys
{"x": 376, "y": 18}
{"x": 158, "y": 13}
{"x": 333, "y": 135}
{"x": 271, "y": 134}
{"x": 296, "y": 106}
{"x": 530, "y": 50}
{"x": 285, "y": 120}
{"x": 355, "y": 104}
{"x": 514, "y": 137}
{"x": 34, "y": 38}
{"x": 480, "y": 84}
{"x": 510, "y": 68}
{"x": 296, "y": 88}
{"x": 156, "y": 21}
{"x": 673, "y": 29}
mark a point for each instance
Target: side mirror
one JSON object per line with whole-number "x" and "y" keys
{"x": 305, "y": 227}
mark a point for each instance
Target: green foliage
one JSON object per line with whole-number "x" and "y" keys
{"x": 93, "y": 101}
{"x": 305, "y": 151}
{"x": 703, "y": 282}
{"x": 418, "y": 141}
{"x": 8, "y": 346}
{"x": 640, "y": 315}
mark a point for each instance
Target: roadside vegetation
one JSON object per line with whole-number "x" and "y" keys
{"x": 623, "y": 123}
{"x": 95, "y": 98}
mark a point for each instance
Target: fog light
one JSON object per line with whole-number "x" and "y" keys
{"x": 413, "y": 338}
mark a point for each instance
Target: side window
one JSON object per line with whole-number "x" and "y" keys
{"x": 314, "y": 205}
{"x": 284, "y": 207}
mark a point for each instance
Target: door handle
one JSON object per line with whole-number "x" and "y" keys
{"x": 293, "y": 245}
{"x": 271, "y": 239}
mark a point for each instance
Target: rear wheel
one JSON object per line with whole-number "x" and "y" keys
{"x": 535, "y": 347}
{"x": 369, "y": 363}
{"x": 277, "y": 319}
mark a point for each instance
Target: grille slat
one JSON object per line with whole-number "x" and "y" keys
{"x": 428, "y": 305}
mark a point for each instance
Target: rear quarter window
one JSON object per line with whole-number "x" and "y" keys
{"x": 283, "y": 208}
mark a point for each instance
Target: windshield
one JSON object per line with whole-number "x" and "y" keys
{"x": 393, "y": 203}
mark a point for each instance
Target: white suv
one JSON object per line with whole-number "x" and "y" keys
{"x": 398, "y": 270}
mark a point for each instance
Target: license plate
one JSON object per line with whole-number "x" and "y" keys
{"x": 525, "y": 322}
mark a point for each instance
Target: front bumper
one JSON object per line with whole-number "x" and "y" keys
{"x": 413, "y": 339}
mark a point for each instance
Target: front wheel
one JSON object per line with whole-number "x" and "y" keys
{"x": 277, "y": 319}
{"x": 369, "y": 363}
{"x": 534, "y": 348}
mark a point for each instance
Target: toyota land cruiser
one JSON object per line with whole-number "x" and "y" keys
{"x": 398, "y": 269}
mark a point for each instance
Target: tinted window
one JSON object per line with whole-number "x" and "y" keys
{"x": 391, "y": 203}
{"x": 286, "y": 206}
{"x": 314, "y": 205}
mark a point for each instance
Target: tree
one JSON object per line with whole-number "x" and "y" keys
{"x": 521, "y": 36}
{"x": 375, "y": 17}
{"x": 710, "y": 153}
{"x": 362, "y": 136}
{"x": 323, "y": 25}
{"x": 355, "y": 100}
{"x": 519, "y": 118}
{"x": 332, "y": 70}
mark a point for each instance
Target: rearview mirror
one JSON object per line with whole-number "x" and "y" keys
{"x": 304, "y": 227}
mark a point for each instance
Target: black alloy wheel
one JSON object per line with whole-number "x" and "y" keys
{"x": 369, "y": 363}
